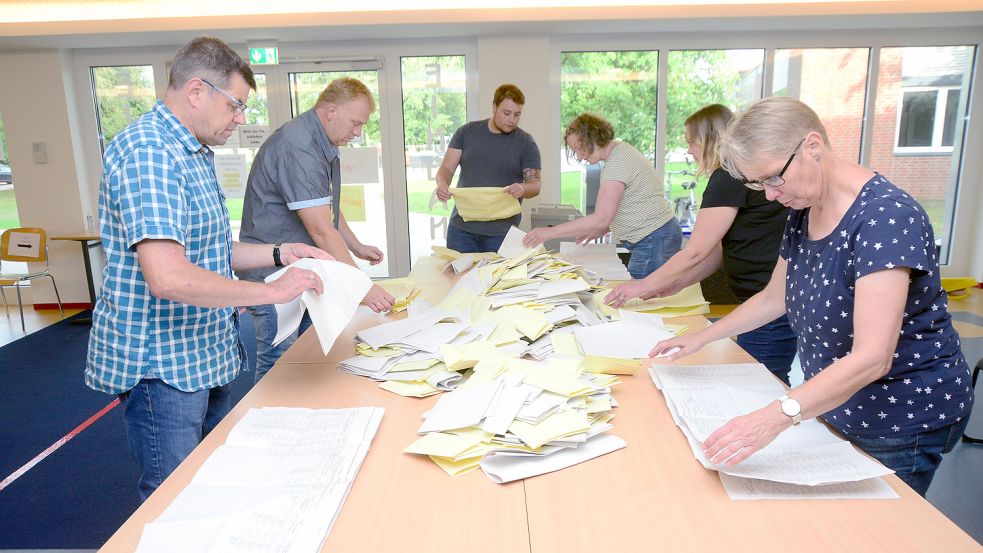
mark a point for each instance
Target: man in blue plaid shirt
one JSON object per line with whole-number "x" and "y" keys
{"x": 164, "y": 329}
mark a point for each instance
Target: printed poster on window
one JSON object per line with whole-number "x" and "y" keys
{"x": 353, "y": 202}
{"x": 253, "y": 136}
{"x": 230, "y": 170}
{"x": 359, "y": 166}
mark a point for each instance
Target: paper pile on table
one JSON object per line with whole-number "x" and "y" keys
{"x": 703, "y": 398}
{"x": 277, "y": 484}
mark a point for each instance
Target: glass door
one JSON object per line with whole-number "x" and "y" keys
{"x": 363, "y": 191}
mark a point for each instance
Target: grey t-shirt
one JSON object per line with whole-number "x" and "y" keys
{"x": 489, "y": 159}
{"x": 294, "y": 169}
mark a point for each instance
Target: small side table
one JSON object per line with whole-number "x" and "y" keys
{"x": 88, "y": 242}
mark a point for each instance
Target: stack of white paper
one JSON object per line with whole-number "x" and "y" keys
{"x": 701, "y": 399}
{"x": 277, "y": 484}
{"x": 602, "y": 259}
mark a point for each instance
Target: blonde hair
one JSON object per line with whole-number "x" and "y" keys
{"x": 343, "y": 90}
{"x": 593, "y": 131}
{"x": 705, "y": 127}
{"x": 771, "y": 127}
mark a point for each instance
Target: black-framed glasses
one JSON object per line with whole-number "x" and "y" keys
{"x": 238, "y": 106}
{"x": 774, "y": 181}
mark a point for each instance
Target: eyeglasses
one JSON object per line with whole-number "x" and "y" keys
{"x": 774, "y": 181}
{"x": 238, "y": 106}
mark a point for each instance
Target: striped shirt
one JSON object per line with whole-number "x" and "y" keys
{"x": 159, "y": 183}
{"x": 643, "y": 207}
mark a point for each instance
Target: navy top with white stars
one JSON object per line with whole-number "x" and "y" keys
{"x": 928, "y": 386}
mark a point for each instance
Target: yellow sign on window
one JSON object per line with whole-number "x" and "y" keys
{"x": 353, "y": 202}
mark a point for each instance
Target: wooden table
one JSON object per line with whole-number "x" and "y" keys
{"x": 651, "y": 496}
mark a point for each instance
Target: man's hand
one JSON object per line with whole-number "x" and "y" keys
{"x": 378, "y": 299}
{"x": 443, "y": 193}
{"x": 294, "y": 251}
{"x": 371, "y": 254}
{"x": 516, "y": 190}
{"x": 294, "y": 282}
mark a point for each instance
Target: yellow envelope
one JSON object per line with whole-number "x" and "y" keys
{"x": 610, "y": 365}
{"x": 485, "y": 203}
{"x": 553, "y": 427}
{"x": 445, "y": 253}
{"x": 565, "y": 343}
{"x": 456, "y": 468}
{"x": 409, "y": 389}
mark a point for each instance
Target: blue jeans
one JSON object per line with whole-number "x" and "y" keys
{"x": 264, "y": 322}
{"x": 163, "y": 425}
{"x": 649, "y": 253}
{"x": 914, "y": 458}
{"x": 469, "y": 242}
{"x": 773, "y": 345}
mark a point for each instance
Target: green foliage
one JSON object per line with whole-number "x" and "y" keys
{"x": 622, "y": 87}
{"x": 434, "y": 97}
{"x": 3, "y": 143}
{"x": 305, "y": 88}
{"x": 122, "y": 95}
{"x": 259, "y": 111}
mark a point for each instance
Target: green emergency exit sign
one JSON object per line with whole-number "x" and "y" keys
{"x": 263, "y": 56}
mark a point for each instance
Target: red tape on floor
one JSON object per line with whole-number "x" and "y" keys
{"x": 54, "y": 447}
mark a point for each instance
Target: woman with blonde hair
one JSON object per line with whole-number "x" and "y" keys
{"x": 737, "y": 228}
{"x": 630, "y": 203}
{"x": 858, "y": 277}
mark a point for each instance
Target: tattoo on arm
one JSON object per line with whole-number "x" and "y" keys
{"x": 529, "y": 175}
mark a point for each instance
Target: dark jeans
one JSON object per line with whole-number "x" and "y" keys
{"x": 469, "y": 242}
{"x": 651, "y": 252}
{"x": 264, "y": 322}
{"x": 773, "y": 345}
{"x": 163, "y": 425}
{"x": 914, "y": 458}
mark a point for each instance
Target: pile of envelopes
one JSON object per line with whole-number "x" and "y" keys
{"x": 527, "y": 355}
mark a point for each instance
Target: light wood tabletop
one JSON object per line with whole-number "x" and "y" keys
{"x": 650, "y": 496}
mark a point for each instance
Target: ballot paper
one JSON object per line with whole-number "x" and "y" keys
{"x": 752, "y": 488}
{"x": 703, "y": 398}
{"x": 504, "y": 466}
{"x": 601, "y": 259}
{"x": 277, "y": 484}
{"x": 512, "y": 244}
{"x": 620, "y": 339}
{"x": 344, "y": 288}
{"x": 485, "y": 203}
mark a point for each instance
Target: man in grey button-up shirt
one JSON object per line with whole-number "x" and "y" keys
{"x": 293, "y": 194}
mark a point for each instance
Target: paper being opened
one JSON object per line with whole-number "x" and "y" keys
{"x": 344, "y": 288}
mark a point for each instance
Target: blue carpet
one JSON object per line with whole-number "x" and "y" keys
{"x": 79, "y": 495}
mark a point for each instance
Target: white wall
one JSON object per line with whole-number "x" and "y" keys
{"x": 36, "y": 109}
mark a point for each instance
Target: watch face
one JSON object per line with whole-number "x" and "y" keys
{"x": 791, "y": 407}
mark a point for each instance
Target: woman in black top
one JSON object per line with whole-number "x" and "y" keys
{"x": 736, "y": 227}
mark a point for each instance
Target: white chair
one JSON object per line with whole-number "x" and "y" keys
{"x": 28, "y": 244}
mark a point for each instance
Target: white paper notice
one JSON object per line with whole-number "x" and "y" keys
{"x": 504, "y": 467}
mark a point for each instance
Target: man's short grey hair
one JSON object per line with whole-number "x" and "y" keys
{"x": 210, "y": 59}
{"x": 770, "y": 128}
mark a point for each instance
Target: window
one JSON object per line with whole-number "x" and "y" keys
{"x": 434, "y": 106}
{"x": 121, "y": 94}
{"x": 621, "y": 87}
{"x": 918, "y": 122}
{"x": 927, "y": 119}
{"x": 8, "y": 203}
{"x": 698, "y": 78}
{"x": 833, "y": 82}
{"x": 234, "y": 160}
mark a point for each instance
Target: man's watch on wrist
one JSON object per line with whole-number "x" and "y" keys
{"x": 277, "y": 262}
{"x": 791, "y": 408}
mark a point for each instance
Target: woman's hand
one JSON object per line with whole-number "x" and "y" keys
{"x": 742, "y": 436}
{"x": 624, "y": 292}
{"x": 537, "y": 236}
{"x": 678, "y": 347}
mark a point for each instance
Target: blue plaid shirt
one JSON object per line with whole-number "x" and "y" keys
{"x": 159, "y": 183}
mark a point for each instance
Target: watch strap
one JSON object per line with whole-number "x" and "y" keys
{"x": 277, "y": 262}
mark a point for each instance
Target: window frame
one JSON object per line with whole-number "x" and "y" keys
{"x": 938, "y": 124}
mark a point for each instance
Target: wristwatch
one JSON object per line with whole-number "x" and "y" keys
{"x": 277, "y": 262}
{"x": 791, "y": 408}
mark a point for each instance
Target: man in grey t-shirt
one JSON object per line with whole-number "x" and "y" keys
{"x": 490, "y": 152}
{"x": 293, "y": 194}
